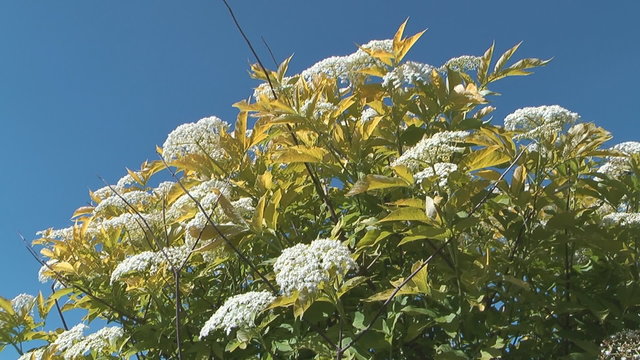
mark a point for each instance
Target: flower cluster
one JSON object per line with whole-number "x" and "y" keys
{"x": 621, "y": 345}
{"x": 67, "y": 339}
{"x": 36, "y": 354}
{"x": 202, "y": 137}
{"x": 150, "y": 261}
{"x": 97, "y": 342}
{"x": 619, "y": 165}
{"x": 23, "y": 303}
{"x": 238, "y": 311}
{"x": 345, "y": 68}
{"x": 437, "y": 148}
{"x": 409, "y": 73}
{"x": 439, "y": 170}
{"x": 304, "y": 268}
{"x": 122, "y": 202}
{"x": 462, "y": 63}
{"x": 623, "y": 219}
{"x": 540, "y": 122}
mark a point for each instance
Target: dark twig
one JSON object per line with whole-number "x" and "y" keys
{"x": 64, "y": 322}
{"x": 234, "y": 248}
{"x": 310, "y": 171}
{"x": 275, "y": 62}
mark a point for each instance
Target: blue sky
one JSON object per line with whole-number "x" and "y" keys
{"x": 89, "y": 87}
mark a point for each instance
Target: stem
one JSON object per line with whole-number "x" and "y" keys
{"x": 176, "y": 275}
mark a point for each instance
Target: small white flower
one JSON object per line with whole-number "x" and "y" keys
{"x": 202, "y": 137}
{"x": 98, "y": 342}
{"x": 437, "y": 148}
{"x": 238, "y": 311}
{"x": 33, "y": 355}
{"x": 539, "y": 122}
{"x": 441, "y": 170}
{"x": 66, "y": 339}
{"x": 616, "y": 166}
{"x": 150, "y": 261}
{"x": 304, "y": 268}
{"x": 462, "y": 63}
{"x": 345, "y": 68}
{"x": 23, "y": 303}
{"x": 409, "y": 73}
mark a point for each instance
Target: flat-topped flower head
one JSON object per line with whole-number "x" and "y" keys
{"x": 304, "y": 268}
{"x": 437, "y": 148}
{"x": 408, "y": 74}
{"x": 68, "y": 338}
{"x": 202, "y": 137}
{"x": 149, "y": 262}
{"x": 23, "y": 303}
{"x": 345, "y": 68}
{"x": 439, "y": 170}
{"x": 616, "y": 166}
{"x": 540, "y": 122}
{"x": 462, "y": 63}
{"x": 238, "y": 311}
{"x": 97, "y": 342}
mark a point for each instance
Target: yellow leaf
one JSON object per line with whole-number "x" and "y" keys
{"x": 63, "y": 266}
{"x": 404, "y": 173}
{"x": 258, "y": 215}
{"x": 417, "y": 203}
{"x": 484, "y": 158}
{"x": 299, "y": 154}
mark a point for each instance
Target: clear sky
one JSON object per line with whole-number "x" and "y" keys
{"x": 90, "y": 87}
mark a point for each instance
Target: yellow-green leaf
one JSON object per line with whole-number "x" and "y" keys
{"x": 407, "y": 214}
{"x": 299, "y": 154}
{"x": 373, "y": 182}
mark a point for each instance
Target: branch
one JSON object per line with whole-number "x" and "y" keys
{"x": 428, "y": 260}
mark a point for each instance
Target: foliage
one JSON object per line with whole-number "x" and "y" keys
{"x": 403, "y": 222}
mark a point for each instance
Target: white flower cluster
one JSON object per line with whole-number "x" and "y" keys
{"x": 66, "y": 339}
{"x": 203, "y": 192}
{"x": 345, "y": 68}
{"x": 437, "y": 148}
{"x": 33, "y": 355}
{"x": 45, "y": 270}
{"x": 621, "y": 345}
{"x": 121, "y": 186}
{"x": 57, "y": 234}
{"x": 118, "y": 202}
{"x": 617, "y": 165}
{"x": 150, "y": 261}
{"x": 202, "y": 137}
{"x": 321, "y": 108}
{"x": 368, "y": 114}
{"x": 409, "y": 73}
{"x": 238, "y": 311}
{"x": 441, "y": 170}
{"x": 623, "y": 219}
{"x": 136, "y": 229}
{"x": 304, "y": 268}
{"x": 99, "y": 341}
{"x": 23, "y": 303}
{"x": 539, "y": 122}
{"x": 462, "y": 63}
